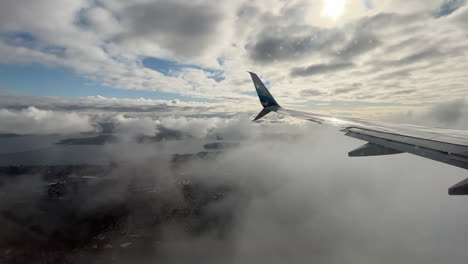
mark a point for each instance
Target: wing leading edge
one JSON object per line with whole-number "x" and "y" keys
{"x": 443, "y": 145}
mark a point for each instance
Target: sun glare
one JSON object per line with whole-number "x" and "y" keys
{"x": 333, "y": 8}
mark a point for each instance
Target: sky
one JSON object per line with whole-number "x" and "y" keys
{"x": 335, "y": 53}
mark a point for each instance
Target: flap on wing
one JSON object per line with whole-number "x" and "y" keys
{"x": 265, "y": 111}
{"x": 460, "y": 188}
{"x": 371, "y": 149}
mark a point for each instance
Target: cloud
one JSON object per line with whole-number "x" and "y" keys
{"x": 319, "y": 68}
{"x": 100, "y": 104}
{"x": 415, "y": 58}
{"x": 291, "y": 202}
{"x": 360, "y": 43}
{"x": 450, "y": 113}
{"x": 345, "y": 90}
{"x": 276, "y": 43}
{"x": 301, "y": 207}
{"x": 134, "y": 126}
{"x": 409, "y": 91}
{"x": 36, "y": 121}
{"x": 186, "y": 29}
{"x": 108, "y": 42}
{"x": 200, "y": 128}
{"x": 311, "y": 92}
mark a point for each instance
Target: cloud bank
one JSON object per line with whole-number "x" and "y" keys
{"x": 293, "y": 203}
{"x": 35, "y": 121}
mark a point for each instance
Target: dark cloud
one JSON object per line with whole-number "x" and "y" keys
{"x": 410, "y": 42}
{"x": 271, "y": 49}
{"x": 348, "y": 88}
{"x": 184, "y": 28}
{"x": 320, "y": 68}
{"x": 344, "y": 90}
{"x": 394, "y": 75}
{"x": 383, "y": 21}
{"x": 360, "y": 43}
{"x": 276, "y": 43}
{"x": 428, "y": 53}
{"x": 311, "y": 92}
{"x": 428, "y": 56}
{"x": 431, "y": 55}
{"x": 247, "y": 11}
{"x": 449, "y": 113}
{"x": 304, "y": 41}
{"x": 404, "y": 92}
{"x": 365, "y": 96}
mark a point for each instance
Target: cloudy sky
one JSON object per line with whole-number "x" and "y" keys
{"x": 386, "y": 54}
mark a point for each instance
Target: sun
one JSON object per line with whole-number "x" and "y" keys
{"x": 333, "y": 8}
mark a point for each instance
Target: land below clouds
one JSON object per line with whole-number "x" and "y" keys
{"x": 107, "y": 211}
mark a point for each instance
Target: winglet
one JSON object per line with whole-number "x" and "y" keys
{"x": 266, "y": 99}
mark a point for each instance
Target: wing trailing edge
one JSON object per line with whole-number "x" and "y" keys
{"x": 372, "y": 149}
{"x": 460, "y": 188}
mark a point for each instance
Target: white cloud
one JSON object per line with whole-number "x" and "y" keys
{"x": 36, "y": 121}
{"x": 134, "y": 126}
{"x": 451, "y": 114}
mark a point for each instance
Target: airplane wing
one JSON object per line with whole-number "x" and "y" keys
{"x": 444, "y": 145}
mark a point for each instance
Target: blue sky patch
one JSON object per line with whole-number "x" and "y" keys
{"x": 39, "y": 80}
{"x": 368, "y": 4}
{"x": 249, "y": 93}
{"x": 171, "y": 68}
{"x": 29, "y": 41}
{"x": 448, "y": 7}
{"x": 23, "y": 39}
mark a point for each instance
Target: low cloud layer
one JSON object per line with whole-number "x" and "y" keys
{"x": 299, "y": 199}
{"x": 36, "y": 121}
{"x": 452, "y": 114}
